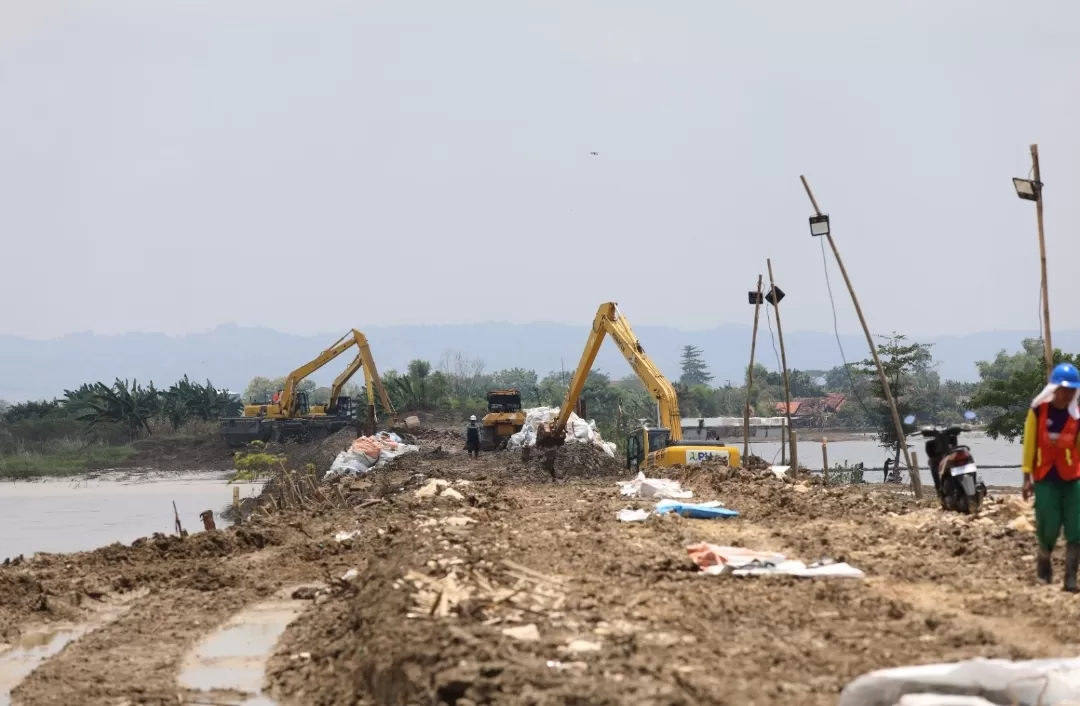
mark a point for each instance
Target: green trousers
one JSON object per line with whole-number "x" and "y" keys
{"x": 1057, "y": 507}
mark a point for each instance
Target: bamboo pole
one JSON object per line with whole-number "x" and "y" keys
{"x": 750, "y": 375}
{"x": 787, "y": 387}
{"x": 916, "y": 482}
{"x": 1048, "y": 348}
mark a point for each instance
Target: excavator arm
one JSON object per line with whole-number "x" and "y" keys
{"x": 609, "y": 321}
{"x": 363, "y": 358}
{"x": 372, "y": 381}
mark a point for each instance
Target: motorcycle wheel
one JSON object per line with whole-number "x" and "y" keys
{"x": 974, "y": 504}
{"x": 972, "y": 499}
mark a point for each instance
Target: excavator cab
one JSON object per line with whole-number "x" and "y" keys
{"x": 644, "y": 441}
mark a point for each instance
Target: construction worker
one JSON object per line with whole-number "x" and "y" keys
{"x": 472, "y": 437}
{"x": 1051, "y": 466}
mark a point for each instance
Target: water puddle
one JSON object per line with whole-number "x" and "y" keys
{"x": 37, "y": 645}
{"x": 228, "y": 666}
{"x": 33, "y": 648}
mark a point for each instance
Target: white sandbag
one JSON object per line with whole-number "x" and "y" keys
{"x": 578, "y": 430}
{"x": 351, "y": 464}
{"x": 1000, "y": 680}
{"x": 389, "y": 454}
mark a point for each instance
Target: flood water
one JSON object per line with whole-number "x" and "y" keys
{"x": 987, "y": 452}
{"x": 69, "y": 515}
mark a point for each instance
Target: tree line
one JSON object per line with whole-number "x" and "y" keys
{"x": 123, "y": 411}
{"x": 126, "y": 410}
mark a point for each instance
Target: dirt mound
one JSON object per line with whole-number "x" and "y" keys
{"x": 578, "y": 460}
{"x": 182, "y": 454}
{"x": 435, "y": 435}
{"x": 571, "y": 460}
{"x": 755, "y": 463}
{"x": 320, "y": 454}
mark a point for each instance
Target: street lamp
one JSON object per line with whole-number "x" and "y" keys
{"x": 1028, "y": 189}
{"x": 819, "y": 225}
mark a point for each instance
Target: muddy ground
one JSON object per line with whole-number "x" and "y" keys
{"x": 505, "y": 585}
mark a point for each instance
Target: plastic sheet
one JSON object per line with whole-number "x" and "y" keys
{"x": 367, "y": 453}
{"x": 998, "y": 681}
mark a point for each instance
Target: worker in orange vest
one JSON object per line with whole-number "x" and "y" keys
{"x": 1051, "y": 466}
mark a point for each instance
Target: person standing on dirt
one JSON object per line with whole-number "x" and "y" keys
{"x": 472, "y": 437}
{"x": 1051, "y": 466}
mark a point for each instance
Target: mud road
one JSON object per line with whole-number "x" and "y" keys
{"x": 504, "y": 585}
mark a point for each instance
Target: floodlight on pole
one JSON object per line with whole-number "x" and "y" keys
{"x": 819, "y": 225}
{"x": 1028, "y": 189}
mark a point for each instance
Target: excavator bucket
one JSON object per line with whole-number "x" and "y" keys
{"x": 547, "y": 436}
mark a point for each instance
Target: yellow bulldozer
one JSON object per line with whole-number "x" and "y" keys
{"x": 504, "y": 418}
{"x": 661, "y": 445}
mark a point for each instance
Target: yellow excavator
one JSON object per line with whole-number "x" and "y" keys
{"x": 651, "y": 447}
{"x": 289, "y": 415}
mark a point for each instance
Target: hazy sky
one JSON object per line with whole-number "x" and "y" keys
{"x": 177, "y": 164}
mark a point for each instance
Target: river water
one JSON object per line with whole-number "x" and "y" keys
{"x": 987, "y": 452}
{"x": 69, "y": 515}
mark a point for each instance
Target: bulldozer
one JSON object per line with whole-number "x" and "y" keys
{"x": 504, "y": 418}
{"x": 658, "y": 446}
{"x": 289, "y": 415}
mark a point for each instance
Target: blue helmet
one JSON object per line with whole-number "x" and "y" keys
{"x": 1065, "y": 375}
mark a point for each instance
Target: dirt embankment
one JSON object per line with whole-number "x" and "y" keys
{"x": 488, "y": 581}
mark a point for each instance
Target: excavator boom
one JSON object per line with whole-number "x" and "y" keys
{"x": 609, "y": 321}
{"x": 373, "y": 383}
{"x": 659, "y": 446}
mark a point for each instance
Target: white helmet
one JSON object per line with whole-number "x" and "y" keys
{"x": 472, "y": 418}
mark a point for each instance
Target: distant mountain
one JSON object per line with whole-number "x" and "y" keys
{"x": 231, "y": 355}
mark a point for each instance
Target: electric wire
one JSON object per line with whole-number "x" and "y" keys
{"x": 836, "y": 330}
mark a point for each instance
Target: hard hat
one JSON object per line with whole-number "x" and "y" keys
{"x": 473, "y": 417}
{"x": 1065, "y": 375}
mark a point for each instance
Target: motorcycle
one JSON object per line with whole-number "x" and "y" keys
{"x": 953, "y": 467}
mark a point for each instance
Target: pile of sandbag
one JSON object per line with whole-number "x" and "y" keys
{"x": 577, "y": 430}
{"x": 369, "y": 452}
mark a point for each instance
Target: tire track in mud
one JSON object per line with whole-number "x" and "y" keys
{"x": 37, "y": 645}
{"x": 137, "y": 657}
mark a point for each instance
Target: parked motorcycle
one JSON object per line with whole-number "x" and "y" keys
{"x": 953, "y": 467}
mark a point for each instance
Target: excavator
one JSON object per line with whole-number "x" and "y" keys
{"x": 289, "y": 415}
{"x": 651, "y": 447}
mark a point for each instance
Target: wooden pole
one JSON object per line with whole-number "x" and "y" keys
{"x": 750, "y": 376}
{"x": 825, "y": 459}
{"x": 236, "y": 505}
{"x": 915, "y": 466}
{"x": 787, "y": 388}
{"x": 1048, "y": 348}
{"x": 793, "y": 444}
{"x": 176, "y": 517}
{"x": 916, "y": 482}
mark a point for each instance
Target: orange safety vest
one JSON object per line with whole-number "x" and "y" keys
{"x": 1060, "y": 453}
